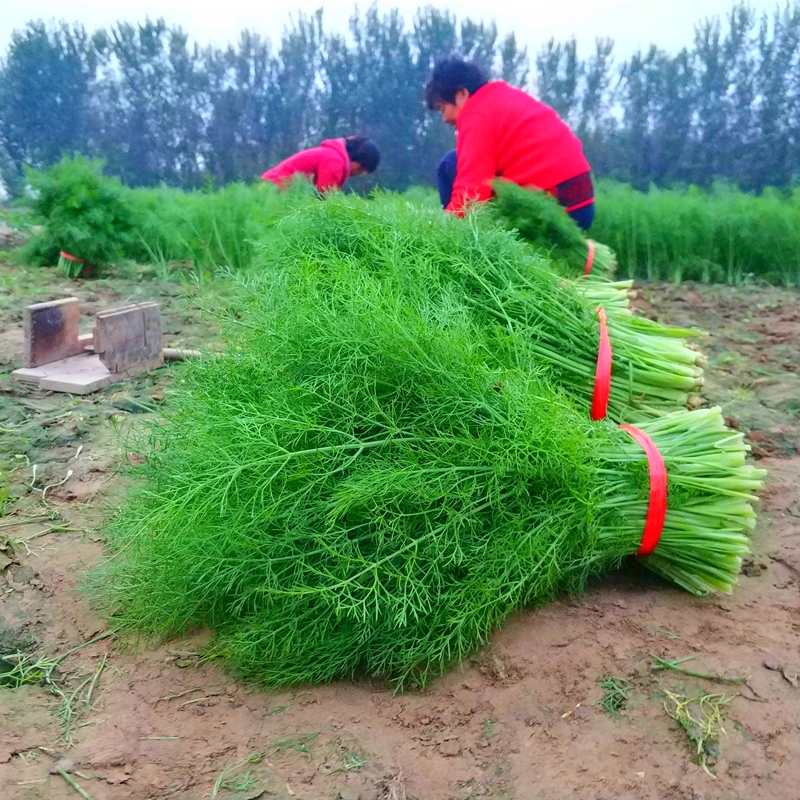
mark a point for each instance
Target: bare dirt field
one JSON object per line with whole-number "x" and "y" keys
{"x": 521, "y": 720}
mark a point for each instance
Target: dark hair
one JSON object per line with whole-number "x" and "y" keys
{"x": 364, "y": 151}
{"x": 451, "y": 75}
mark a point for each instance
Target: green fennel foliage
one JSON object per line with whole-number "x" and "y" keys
{"x": 721, "y": 235}
{"x": 94, "y": 217}
{"x": 422, "y": 252}
{"x": 83, "y": 212}
{"x": 360, "y": 485}
{"x": 541, "y": 221}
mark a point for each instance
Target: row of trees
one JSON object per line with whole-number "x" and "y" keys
{"x": 160, "y": 109}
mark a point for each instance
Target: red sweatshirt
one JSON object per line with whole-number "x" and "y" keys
{"x": 327, "y": 165}
{"x": 504, "y": 132}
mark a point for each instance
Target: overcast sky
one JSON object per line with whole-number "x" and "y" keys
{"x": 631, "y": 23}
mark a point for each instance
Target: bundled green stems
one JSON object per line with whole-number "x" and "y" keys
{"x": 370, "y": 479}
{"x": 421, "y": 252}
{"x": 538, "y": 219}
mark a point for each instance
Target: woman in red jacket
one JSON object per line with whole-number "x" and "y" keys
{"x": 329, "y": 165}
{"x": 504, "y": 132}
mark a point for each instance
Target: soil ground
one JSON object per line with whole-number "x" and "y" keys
{"x": 519, "y": 721}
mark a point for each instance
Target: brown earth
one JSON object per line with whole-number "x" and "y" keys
{"x": 519, "y": 721}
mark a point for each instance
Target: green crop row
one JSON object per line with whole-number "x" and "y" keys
{"x": 717, "y": 236}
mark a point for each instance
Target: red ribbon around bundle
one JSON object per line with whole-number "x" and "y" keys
{"x": 589, "y": 257}
{"x": 72, "y": 258}
{"x": 657, "y": 505}
{"x": 602, "y": 373}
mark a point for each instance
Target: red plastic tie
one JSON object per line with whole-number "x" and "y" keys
{"x": 602, "y": 372}
{"x": 589, "y": 257}
{"x": 72, "y": 258}
{"x": 657, "y": 506}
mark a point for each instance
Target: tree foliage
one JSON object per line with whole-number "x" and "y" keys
{"x": 159, "y": 109}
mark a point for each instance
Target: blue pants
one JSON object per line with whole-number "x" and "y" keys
{"x": 446, "y": 177}
{"x": 584, "y": 217}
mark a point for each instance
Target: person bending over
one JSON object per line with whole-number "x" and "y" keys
{"x": 329, "y": 165}
{"x": 503, "y": 132}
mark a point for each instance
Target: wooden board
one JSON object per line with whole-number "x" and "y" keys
{"x": 78, "y": 374}
{"x": 128, "y": 336}
{"x": 51, "y": 331}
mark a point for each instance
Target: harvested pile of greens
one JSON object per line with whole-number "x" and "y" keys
{"x": 423, "y": 252}
{"x": 542, "y": 222}
{"x": 371, "y": 478}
